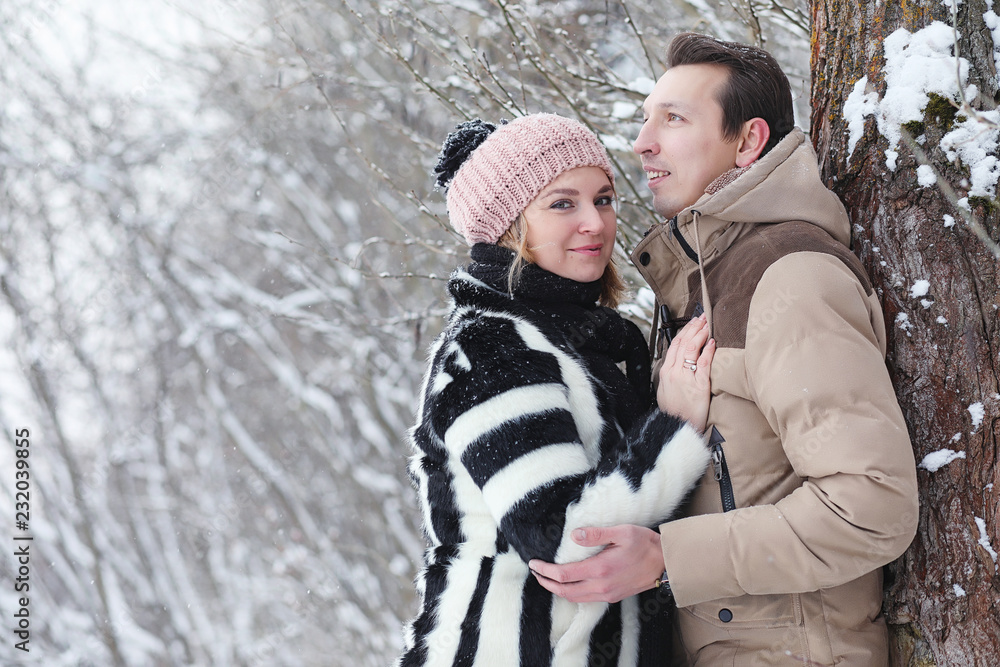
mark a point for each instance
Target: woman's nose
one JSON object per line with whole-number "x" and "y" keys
{"x": 592, "y": 221}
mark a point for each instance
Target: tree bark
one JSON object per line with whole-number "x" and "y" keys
{"x": 942, "y": 596}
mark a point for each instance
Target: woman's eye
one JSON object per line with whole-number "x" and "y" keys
{"x": 606, "y": 200}
{"x": 562, "y": 203}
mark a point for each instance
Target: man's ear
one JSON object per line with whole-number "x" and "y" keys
{"x": 752, "y": 140}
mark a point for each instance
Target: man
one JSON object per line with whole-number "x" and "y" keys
{"x": 813, "y": 484}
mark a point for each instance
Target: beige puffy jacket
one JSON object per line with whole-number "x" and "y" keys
{"x": 816, "y": 466}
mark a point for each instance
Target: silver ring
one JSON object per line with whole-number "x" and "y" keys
{"x": 690, "y": 362}
{"x": 692, "y": 367}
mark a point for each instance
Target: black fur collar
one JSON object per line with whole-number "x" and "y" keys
{"x": 565, "y": 305}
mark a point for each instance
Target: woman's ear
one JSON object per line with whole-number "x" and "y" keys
{"x": 752, "y": 140}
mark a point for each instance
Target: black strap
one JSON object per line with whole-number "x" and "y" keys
{"x": 688, "y": 250}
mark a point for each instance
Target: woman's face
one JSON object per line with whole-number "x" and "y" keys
{"x": 572, "y": 224}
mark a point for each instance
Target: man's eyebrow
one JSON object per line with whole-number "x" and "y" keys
{"x": 671, "y": 105}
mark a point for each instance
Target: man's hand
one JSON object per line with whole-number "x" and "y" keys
{"x": 630, "y": 563}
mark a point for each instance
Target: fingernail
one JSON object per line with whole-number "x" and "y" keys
{"x": 579, "y": 534}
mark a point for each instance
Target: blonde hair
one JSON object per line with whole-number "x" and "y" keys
{"x": 516, "y": 240}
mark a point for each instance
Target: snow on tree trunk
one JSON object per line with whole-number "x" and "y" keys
{"x": 938, "y": 281}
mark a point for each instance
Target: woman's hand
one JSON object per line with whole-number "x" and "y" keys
{"x": 685, "y": 385}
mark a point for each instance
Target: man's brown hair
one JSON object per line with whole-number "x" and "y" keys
{"x": 756, "y": 86}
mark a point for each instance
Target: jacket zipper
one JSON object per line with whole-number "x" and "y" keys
{"x": 721, "y": 470}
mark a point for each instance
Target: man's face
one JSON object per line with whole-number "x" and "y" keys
{"x": 681, "y": 142}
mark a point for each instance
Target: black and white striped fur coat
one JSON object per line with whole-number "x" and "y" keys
{"x": 527, "y": 429}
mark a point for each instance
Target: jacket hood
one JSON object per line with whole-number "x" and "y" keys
{"x": 783, "y": 185}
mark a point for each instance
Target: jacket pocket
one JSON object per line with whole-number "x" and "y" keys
{"x": 751, "y": 611}
{"x": 746, "y": 630}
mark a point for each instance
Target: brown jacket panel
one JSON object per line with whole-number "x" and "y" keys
{"x": 731, "y": 285}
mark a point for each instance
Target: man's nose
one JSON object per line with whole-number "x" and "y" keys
{"x": 645, "y": 143}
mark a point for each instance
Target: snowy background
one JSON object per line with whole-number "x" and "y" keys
{"x": 221, "y": 264}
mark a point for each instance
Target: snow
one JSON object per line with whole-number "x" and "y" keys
{"x": 942, "y": 320}
{"x": 859, "y": 104}
{"x": 616, "y": 142}
{"x": 624, "y": 110}
{"x": 984, "y": 540}
{"x": 959, "y": 591}
{"x": 937, "y": 460}
{"x": 926, "y": 176}
{"x": 917, "y": 65}
{"x": 400, "y": 566}
{"x": 976, "y": 145}
{"x": 645, "y": 297}
{"x": 640, "y": 307}
{"x": 903, "y": 322}
{"x": 978, "y": 412}
{"x": 992, "y": 22}
{"x": 890, "y": 159}
{"x": 949, "y": 221}
{"x": 375, "y": 481}
{"x": 920, "y": 288}
{"x": 642, "y": 85}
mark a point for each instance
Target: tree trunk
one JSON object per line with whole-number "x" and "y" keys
{"x": 942, "y": 595}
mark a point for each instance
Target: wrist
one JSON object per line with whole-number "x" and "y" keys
{"x": 662, "y": 583}
{"x": 655, "y": 565}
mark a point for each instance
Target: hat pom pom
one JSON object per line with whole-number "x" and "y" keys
{"x": 465, "y": 138}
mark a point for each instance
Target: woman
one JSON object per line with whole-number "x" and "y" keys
{"x": 527, "y": 428}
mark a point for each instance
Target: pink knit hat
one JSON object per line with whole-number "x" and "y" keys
{"x": 508, "y": 170}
